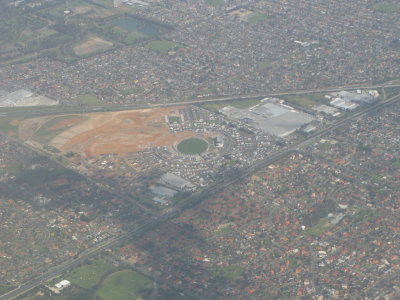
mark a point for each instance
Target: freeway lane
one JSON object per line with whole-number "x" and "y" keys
{"x": 57, "y": 110}
{"x": 189, "y": 202}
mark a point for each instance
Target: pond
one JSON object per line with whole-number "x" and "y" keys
{"x": 132, "y": 24}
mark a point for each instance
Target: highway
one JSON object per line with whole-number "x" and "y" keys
{"x": 57, "y": 110}
{"x": 190, "y": 201}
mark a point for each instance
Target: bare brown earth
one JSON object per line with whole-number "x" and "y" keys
{"x": 119, "y": 132}
{"x": 65, "y": 123}
{"x": 93, "y": 44}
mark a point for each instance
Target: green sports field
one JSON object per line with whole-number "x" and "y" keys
{"x": 192, "y": 146}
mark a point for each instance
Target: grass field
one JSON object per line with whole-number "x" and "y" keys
{"x": 256, "y": 18}
{"x": 265, "y": 64}
{"x": 229, "y": 272}
{"x": 308, "y": 100}
{"x": 174, "y": 119}
{"x": 88, "y": 100}
{"x": 123, "y": 285}
{"x": 49, "y": 130}
{"x": 192, "y": 146}
{"x": 241, "y": 104}
{"x": 317, "y": 229}
{"x": 216, "y": 2}
{"x": 387, "y": 7}
{"x": 162, "y": 47}
{"x": 6, "y": 288}
{"x": 88, "y": 275}
{"x": 132, "y": 90}
{"x": 6, "y": 126}
{"x": 392, "y": 91}
{"x": 38, "y": 177}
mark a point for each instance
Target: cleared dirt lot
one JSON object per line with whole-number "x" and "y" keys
{"x": 92, "y": 45}
{"x": 109, "y": 132}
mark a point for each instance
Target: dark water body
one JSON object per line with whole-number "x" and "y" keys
{"x": 143, "y": 26}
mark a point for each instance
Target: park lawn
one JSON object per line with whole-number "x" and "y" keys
{"x": 256, "y": 18}
{"x": 321, "y": 227}
{"x": 123, "y": 285}
{"x": 162, "y": 47}
{"x": 88, "y": 100}
{"x": 88, "y": 275}
{"x": 37, "y": 34}
{"x": 387, "y": 7}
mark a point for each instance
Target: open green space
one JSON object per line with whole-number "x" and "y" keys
{"x": 216, "y": 2}
{"x": 6, "y": 288}
{"x": 387, "y": 7}
{"x": 224, "y": 231}
{"x": 38, "y": 177}
{"x": 162, "y": 46}
{"x": 45, "y": 134}
{"x": 6, "y": 126}
{"x": 90, "y": 274}
{"x": 228, "y": 272}
{"x": 265, "y": 64}
{"x": 364, "y": 215}
{"x": 88, "y": 100}
{"x": 318, "y": 228}
{"x": 241, "y": 104}
{"x": 122, "y": 285}
{"x": 114, "y": 33}
{"x": 308, "y": 100}
{"x": 28, "y": 33}
{"x": 392, "y": 91}
{"x": 256, "y": 18}
{"x": 132, "y": 90}
{"x": 192, "y": 146}
{"x": 174, "y": 119}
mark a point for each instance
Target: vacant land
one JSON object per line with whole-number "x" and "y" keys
{"x": 89, "y": 275}
{"x": 88, "y": 100}
{"x": 162, "y": 47}
{"x": 308, "y": 100}
{"x": 257, "y": 17}
{"x": 47, "y": 130}
{"x": 123, "y": 285}
{"x": 387, "y": 7}
{"x": 92, "y": 45}
{"x": 101, "y": 133}
{"x": 216, "y": 2}
{"x": 241, "y": 104}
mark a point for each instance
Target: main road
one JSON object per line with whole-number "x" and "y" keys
{"x": 187, "y": 203}
{"x": 57, "y": 110}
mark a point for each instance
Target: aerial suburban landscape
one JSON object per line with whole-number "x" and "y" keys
{"x": 199, "y": 150}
